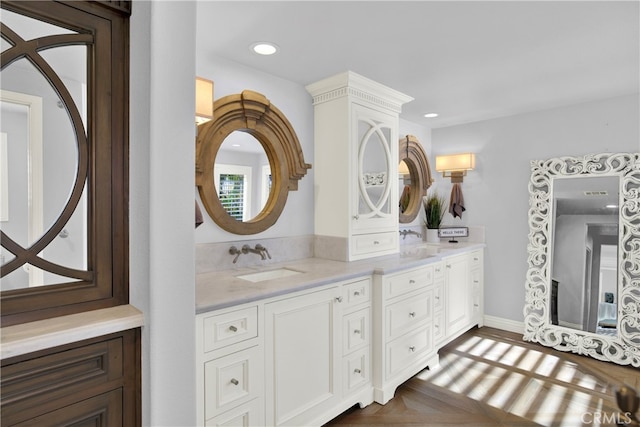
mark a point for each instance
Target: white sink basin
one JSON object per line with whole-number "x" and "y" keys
{"x": 268, "y": 275}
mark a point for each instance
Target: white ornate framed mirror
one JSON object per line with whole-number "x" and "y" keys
{"x": 583, "y": 280}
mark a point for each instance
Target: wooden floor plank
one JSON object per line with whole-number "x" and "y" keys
{"x": 489, "y": 377}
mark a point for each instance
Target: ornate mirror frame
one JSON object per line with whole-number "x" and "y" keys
{"x": 411, "y": 151}
{"x": 253, "y": 113}
{"x": 623, "y": 349}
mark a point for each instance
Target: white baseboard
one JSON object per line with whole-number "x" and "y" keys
{"x": 504, "y": 324}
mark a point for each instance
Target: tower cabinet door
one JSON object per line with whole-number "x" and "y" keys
{"x": 376, "y": 153}
{"x": 457, "y": 286}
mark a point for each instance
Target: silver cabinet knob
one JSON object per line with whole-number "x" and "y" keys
{"x": 448, "y": 265}
{"x": 412, "y": 281}
{"x": 438, "y": 298}
{"x": 338, "y": 299}
{"x": 233, "y": 328}
{"x": 412, "y": 349}
{"x": 234, "y": 381}
{"x": 356, "y": 331}
{"x": 356, "y": 293}
{"x": 356, "y": 217}
{"x": 412, "y": 314}
{"x": 357, "y": 371}
{"x": 375, "y": 242}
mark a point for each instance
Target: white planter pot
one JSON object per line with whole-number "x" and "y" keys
{"x": 432, "y": 235}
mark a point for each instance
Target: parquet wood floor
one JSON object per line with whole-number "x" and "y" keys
{"x": 489, "y": 377}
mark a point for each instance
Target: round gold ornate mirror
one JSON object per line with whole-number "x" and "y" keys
{"x": 251, "y": 113}
{"x": 412, "y": 190}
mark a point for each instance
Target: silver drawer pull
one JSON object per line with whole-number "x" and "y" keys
{"x": 475, "y": 259}
{"x": 412, "y": 314}
{"x": 437, "y": 298}
{"x": 475, "y": 305}
{"x": 356, "y": 331}
{"x": 476, "y": 281}
{"x": 233, "y": 328}
{"x": 234, "y": 381}
{"x": 412, "y": 349}
{"x": 375, "y": 242}
{"x": 356, "y": 217}
{"x": 448, "y": 265}
{"x": 338, "y": 299}
{"x": 356, "y": 293}
{"x": 438, "y": 270}
{"x": 357, "y": 371}
{"x": 412, "y": 281}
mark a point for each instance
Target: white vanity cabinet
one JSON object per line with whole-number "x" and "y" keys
{"x": 230, "y": 366}
{"x": 318, "y": 354}
{"x": 403, "y": 328}
{"x": 297, "y": 359}
{"x": 464, "y": 289}
{"x": 355, "y": 166}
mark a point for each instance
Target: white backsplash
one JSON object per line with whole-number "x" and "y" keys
{"x": 216, "y": 256}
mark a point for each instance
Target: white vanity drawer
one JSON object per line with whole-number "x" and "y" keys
{"x": 439, "y": 331}
{"x": 357, "y": 292}
{"x": 438, "y": 271}
{"x": 403, "y": 351}
{"x": 374, "y": 242}
{"x": 356, "y": 331}
{"x": 357, "y": 370}
{"x": 229, "y": 328}
{"x": 438, "y": 296}
{"x": 408, "y": 313}
{"x": 401, "y": 283}
{"x": 475, "y": 259}
{"x": 249, "y": 414}
{"x": 232, "y": 380}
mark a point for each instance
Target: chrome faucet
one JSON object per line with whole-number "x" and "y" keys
{"x": 404, "y": 233}
{"x": 263, "y": 250}
{"x": 259, "y": 249}
{"x": 235, "y": 251}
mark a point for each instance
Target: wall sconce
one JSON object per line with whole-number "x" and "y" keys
{"x": 204, "y": 100}
{"x": 455, "y": 166}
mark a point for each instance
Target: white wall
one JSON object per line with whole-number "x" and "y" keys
{"x": 162, "y": 246}
{"x": 496, "y": 193}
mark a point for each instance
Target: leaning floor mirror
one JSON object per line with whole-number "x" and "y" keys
{"x": 583, "y": 280}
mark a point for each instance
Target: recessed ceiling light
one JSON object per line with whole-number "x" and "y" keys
{"x": 431, "y": 115}
{"x": 264, "y": 48}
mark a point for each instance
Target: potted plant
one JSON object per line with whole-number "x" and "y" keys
{"x": 434, "y": 209}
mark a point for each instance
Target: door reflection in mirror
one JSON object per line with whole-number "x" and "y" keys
{"x": 585, "y": 238}
{"x": 242, "y": 175}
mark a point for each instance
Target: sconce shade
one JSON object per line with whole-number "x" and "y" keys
{"x": 204, "y": 100}
{"x": 456, "y": 162}
{"x": 455, "y": 166}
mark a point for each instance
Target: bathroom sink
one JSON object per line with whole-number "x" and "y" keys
{"x": 268, "y": 275}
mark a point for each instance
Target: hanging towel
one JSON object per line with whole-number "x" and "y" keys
{"x": 405, "y": 198}
{"x": 456, "y": 201}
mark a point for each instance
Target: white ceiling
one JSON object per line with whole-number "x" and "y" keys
{"x": 468, "y": 61}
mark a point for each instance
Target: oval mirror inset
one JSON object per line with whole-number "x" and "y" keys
{"x": 242, "y": 175}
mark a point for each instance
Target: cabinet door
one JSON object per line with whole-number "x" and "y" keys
{"x": 302, "y": 355}
{"x": 457, "y": 286}
{"x": 377, "y": 164}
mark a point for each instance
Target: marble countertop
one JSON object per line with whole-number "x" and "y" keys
{"x": 221, "y": 289}
{"x": 29, "y": 337}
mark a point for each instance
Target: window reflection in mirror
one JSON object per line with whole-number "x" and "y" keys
{"x": 584, "y": 267}
{"x": 40, "y": 154}
{"x": 242, "y": 176}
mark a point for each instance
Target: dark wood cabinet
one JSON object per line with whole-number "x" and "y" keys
{"x": 92, "y": 382}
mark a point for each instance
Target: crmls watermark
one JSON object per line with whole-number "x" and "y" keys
{"x": 599, "y": 418}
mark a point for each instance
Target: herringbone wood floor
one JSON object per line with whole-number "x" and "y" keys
{"x": 489, "y": 377}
